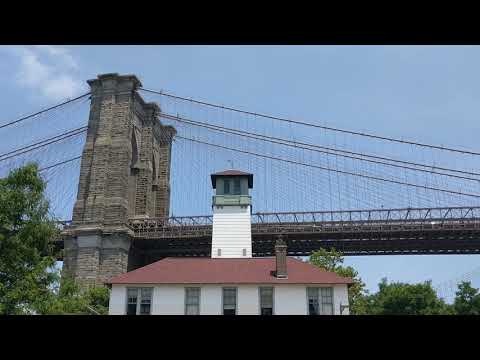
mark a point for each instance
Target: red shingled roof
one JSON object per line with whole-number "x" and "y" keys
{"x": 227, "y": 271}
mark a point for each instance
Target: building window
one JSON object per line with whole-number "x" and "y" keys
{"x": 231, "y": 186}
{"x": 139, "y": 301}
{"x": 312, "y": 295}
{"x": 266, "y": 301}
{"x": 236, "y": 186}
{"x": 132, "y": 301}
{"x": 320, "y": 301}
{"x": 229, "y": 301}
{"x": 146, "y": 301}
{"x": 327, "y": 301}
{"x": 192, "y": 301}
{"x": 226, "y": 186}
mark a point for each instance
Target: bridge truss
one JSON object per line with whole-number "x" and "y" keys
{"x": 445, "y": 230}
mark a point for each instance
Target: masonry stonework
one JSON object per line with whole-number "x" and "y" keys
{"x": 124, "y": 173}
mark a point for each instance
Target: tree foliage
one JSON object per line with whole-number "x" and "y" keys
{"x": 398, "y": 298}
{"x": 69, "y": 299}
{"x": 29, "y": 282}
{"x": 467, "y": 300}
{"x": 26, "y": 251}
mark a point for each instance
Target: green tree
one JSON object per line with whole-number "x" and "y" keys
{"x": 333, "y": 261}
{"x": 68, "y": 298}
{"x": 26, "y": 250}
{"x": 467, "y": 299}
{"x": 406, "y": 299}
{"x": 98, "y": 299}
{"x": 29, "y": 282}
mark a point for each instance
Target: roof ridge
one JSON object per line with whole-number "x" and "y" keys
{"x": 226, "y": 270}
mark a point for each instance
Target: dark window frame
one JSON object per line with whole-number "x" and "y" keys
{"x": 260, "y": 299}
{"x": 237, "y": 186}
{"x": 315, "y": 298}
{"x": 320, "y": 299}
{"x": 140, "y": 300}
{"x": 323, "y": 298}
{"x": 199, "y": 299}
{"x": 226, "y": 186}
{"x": 223, "y": 299}
{"x": 132, "y": 293}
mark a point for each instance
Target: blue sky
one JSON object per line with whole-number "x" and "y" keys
{"x": 424, "y": 93}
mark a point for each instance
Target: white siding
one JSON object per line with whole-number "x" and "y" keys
{"x": 248, "y": 302}
{"x": 211, "y": 300}
{"x": 290, "y": 300}
{"x": 231, "y": 232}
{"x": 118, "y": 300}
{"x": 170, "y": 299}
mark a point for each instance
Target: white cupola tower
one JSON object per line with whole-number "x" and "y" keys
{"x": 231, "y": 204}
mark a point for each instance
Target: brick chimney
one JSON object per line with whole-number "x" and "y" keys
{"x": 281, "y": 258}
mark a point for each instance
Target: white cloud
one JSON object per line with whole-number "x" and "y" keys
{"x": 62, "y": 86}
{"x": 62, "y": 55}
{"x": 47, "y": 70}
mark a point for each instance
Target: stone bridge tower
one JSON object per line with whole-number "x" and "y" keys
{"x": 124, "y": 173}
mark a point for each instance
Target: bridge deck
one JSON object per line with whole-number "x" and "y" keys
{"x": 452, "y": 230}
{"x": 357, "y": 232}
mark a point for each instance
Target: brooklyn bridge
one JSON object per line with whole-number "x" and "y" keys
{"x": 128, "y": 170}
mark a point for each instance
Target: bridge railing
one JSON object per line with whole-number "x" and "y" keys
{"x": 407, "y": 219}
{"x": 405, "y": 214}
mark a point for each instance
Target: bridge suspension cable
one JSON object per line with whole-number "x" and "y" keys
{"x": 330, "y": 169}
{"x": 297, "y": 122}
{"x": 301, "y": 155}
{"x": 60, "y": 163}
{"x": 43, "y": 111}
{"x": 312, "y": 147}
{"x": 43, "y": 143}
